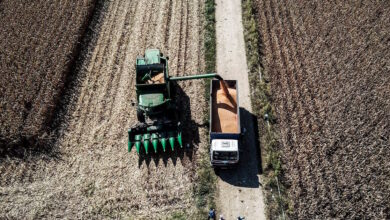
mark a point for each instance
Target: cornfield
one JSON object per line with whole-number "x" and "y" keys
{"x": 39, "y": 43}
{"x": 329, "y": 65}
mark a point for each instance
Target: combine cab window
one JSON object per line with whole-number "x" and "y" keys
{"x": 224, "y": 155}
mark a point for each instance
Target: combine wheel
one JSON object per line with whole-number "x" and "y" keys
{"x": 140, "y": 116}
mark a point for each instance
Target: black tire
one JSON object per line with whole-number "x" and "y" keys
{"x": 140, "y": 116}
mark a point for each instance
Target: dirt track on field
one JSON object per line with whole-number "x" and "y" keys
{"x": 92, "y": 174}
{"x": 239, "y": 190}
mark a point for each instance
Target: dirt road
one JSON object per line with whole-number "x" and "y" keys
{"x": 92, "y": 175}
{"x": 239, "y": 190}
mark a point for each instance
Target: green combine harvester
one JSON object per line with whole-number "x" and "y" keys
{"x": 157, "y": 113}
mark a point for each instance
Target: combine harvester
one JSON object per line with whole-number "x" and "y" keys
{"x": 157, "y": 111}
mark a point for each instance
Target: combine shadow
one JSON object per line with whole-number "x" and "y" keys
{"x": 245, "y": 174}
{"x": 190, "y": 136}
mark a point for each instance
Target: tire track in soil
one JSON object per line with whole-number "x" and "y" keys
{"x": 290, "y": 122}
{"x": 179, "y": 53}
{"x": 295, "y": 123}
{"x": 279, "y": 80}
{"x": 299, "y": 172}
{"x": 313, "y": 106}
{"x": 122, "y": 71}
{"x": 301, "y": 73}
{"x": 146, "y": 44}
{"x": 302, "y": 111}
{"x": 200, "y": 39}
{"x": 166, "y": 36}
{"x": 161, "y": 26}
{"x": 118, "y": 65}
{"x": 289, "y": 71}
{"x": 295, "y": 70}
{"x": 306, "y": 143}
{"x": 107, "y": 85}
{"x": 101, "y": 72}
{"x": 174, "y": 36}
{"x": 121, "y": 58}
{"x": 185, "y": 35}
{"x": 190, "y": 67}
{"x": 126, "y": 67}
{"x": 301, "y": 30}
{"x": 187, "y": 66}
{"x": 97, "y": 59}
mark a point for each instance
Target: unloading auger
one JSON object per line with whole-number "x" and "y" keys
{"x": 158, "y": 122}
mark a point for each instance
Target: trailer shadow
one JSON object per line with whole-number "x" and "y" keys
{"x": 190, "y": 137}
{"x": 245, "y": 174}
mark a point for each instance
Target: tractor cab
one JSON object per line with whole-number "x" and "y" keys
{"x": 152, "y": 85}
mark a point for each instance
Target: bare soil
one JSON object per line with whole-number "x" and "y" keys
{"x": 92, "y": 175}
{"x": 328, "y": 63}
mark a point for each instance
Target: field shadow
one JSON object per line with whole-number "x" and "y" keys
{"x": 190, "y": 136}
{"x": 245, "y": 174}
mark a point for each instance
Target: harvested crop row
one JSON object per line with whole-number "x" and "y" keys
{"x": 95, "y": 176}
{"x": 39, "y": 42}
{"x": 329, "y": 65}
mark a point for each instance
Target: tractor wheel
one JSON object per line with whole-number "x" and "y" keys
{"x": 140, "y": 116}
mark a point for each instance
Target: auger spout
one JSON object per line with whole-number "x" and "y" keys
{"x": 199, "y": 76}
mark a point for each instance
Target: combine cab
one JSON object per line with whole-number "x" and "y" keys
{"x": 158, "y": 123}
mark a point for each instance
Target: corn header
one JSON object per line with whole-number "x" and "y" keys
{"x": 157, "y": 112}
